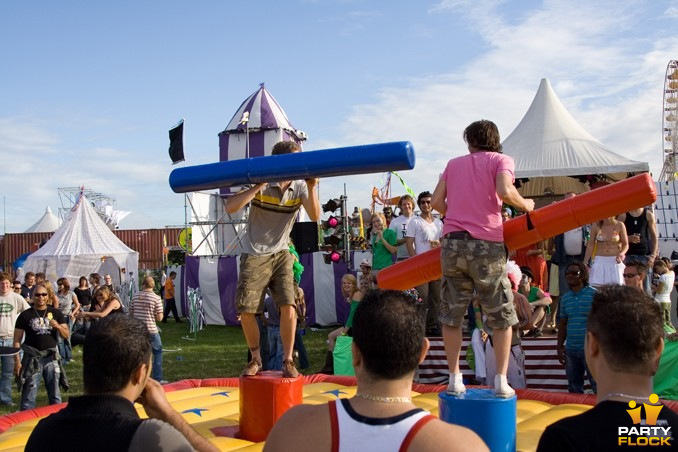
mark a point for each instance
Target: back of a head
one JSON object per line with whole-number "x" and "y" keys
{"x": 114, "y": 348}
{"x": 148, "y": 283}
{"x": 628, "y": 325}
{"x": 483, "y": 135}
{"x": 388, "y": 329}
{"x": 285, "y": 147}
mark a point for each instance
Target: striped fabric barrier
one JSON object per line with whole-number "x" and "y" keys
{"x": 542, "y": 369}
{"x": 217, "y": 279}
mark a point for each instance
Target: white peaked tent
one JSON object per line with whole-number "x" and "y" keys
{"x": 549, "y": 144}
{"x": 83, "y": 245}
{"x": 47, "y": 223}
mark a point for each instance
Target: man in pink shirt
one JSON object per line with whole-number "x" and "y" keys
{"x": 470, "y": 195}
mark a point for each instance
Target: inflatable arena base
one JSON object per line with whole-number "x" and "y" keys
{"x": 211, "y": 406}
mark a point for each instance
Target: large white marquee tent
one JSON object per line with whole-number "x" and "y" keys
{"x": 549, "y": 145}
{"x": 83, "y": 245}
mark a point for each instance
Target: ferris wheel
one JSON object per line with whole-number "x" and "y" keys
{"x": 670, "y": 123}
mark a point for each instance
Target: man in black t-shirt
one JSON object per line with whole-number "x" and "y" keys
{"x": 624, "y": 342}
{"x": 641, "y": 229}
{"x": 28, "y": 286}
{"x": 38, "y": 327}
{"x": 116, "y": 373}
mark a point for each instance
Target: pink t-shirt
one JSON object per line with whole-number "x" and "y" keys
{"x": 472, "y": 201}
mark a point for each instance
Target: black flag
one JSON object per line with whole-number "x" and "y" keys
{"x": 176, "y": 148}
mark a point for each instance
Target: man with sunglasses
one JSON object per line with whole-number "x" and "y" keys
{"x": 574, "y": 310}
{"x": 11, "y": 305}
{"x": 634, "y": 274}
{"x": 424, "y": 234}
{"x": 38, "y": 327}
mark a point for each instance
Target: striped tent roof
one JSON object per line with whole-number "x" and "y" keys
{"x": 261, "y": 111}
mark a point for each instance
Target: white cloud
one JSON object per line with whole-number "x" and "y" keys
{"x": 605, "y": 68}
{"x": 36, "y": 166}
{"x": 605, "y": 60}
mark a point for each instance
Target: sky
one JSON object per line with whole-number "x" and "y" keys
{"x": 89, "y": 90}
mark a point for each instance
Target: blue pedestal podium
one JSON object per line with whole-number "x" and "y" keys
{"x": 491, "y": 417}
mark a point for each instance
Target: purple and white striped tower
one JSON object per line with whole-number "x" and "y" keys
{"x": 257, "y": 125}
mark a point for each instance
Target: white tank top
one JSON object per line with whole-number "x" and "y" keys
{"x": 351, "y": 431}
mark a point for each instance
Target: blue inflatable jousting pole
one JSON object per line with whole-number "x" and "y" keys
{"x": 364, "y": 159}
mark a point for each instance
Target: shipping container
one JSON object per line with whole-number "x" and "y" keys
{"x": 149, "y": 243}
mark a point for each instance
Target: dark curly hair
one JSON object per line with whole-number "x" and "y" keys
{"x": 583, "y": 269}
{"x": 483, "y": 135}
{"x": 422, "y": 195}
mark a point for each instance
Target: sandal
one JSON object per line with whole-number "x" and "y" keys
{"x": 289, "y": 370}
{"x": 253, "y": 368}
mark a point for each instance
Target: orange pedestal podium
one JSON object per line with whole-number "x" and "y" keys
{"x": 263, "y": 399}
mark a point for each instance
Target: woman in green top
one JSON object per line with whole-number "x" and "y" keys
{"x": 352, "y": 295}
{"x": 383, "y": 243}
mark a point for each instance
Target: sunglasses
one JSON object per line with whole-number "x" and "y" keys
{"x": 41, "y": 294}
{"x": 424, "y": 202}
{"x": 573, "y": 273}
{"x": 17, "y": 288}
{"x": 630, "y": 275}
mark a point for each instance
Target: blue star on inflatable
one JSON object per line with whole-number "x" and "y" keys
{"x": 197, "y": 411}
{"x": 335, "y": 392}
{"x": 223, "y": 393}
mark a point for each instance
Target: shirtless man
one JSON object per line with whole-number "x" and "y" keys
{"x": 384, "y": 359}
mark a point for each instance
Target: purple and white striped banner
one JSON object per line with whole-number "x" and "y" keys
{"x": 217, "y": 278}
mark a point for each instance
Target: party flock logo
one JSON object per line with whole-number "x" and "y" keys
{"x": 648, "y": 431}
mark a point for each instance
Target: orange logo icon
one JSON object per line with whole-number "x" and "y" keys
{"x": 651, "y": 411}
{"x": 645, "y": 433}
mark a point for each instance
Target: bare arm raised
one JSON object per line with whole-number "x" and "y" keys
{"x": 311, "y": 204}
{"x": 241, "y": 199}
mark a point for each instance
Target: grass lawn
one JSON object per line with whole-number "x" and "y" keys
{"x": 218, "y": 351}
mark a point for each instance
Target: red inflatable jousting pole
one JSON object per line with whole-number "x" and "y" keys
{"x": 595, "y": 205}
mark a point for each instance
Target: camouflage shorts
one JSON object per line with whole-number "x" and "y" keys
{"x": 258, "y": 273}
{"x": 477, "y": 268}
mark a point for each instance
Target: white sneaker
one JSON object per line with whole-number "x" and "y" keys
{"x": 502, "y": 388}
{"x": 456, "y": 385}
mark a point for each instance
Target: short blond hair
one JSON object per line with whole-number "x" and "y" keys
{"x": 148, "y": 283}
